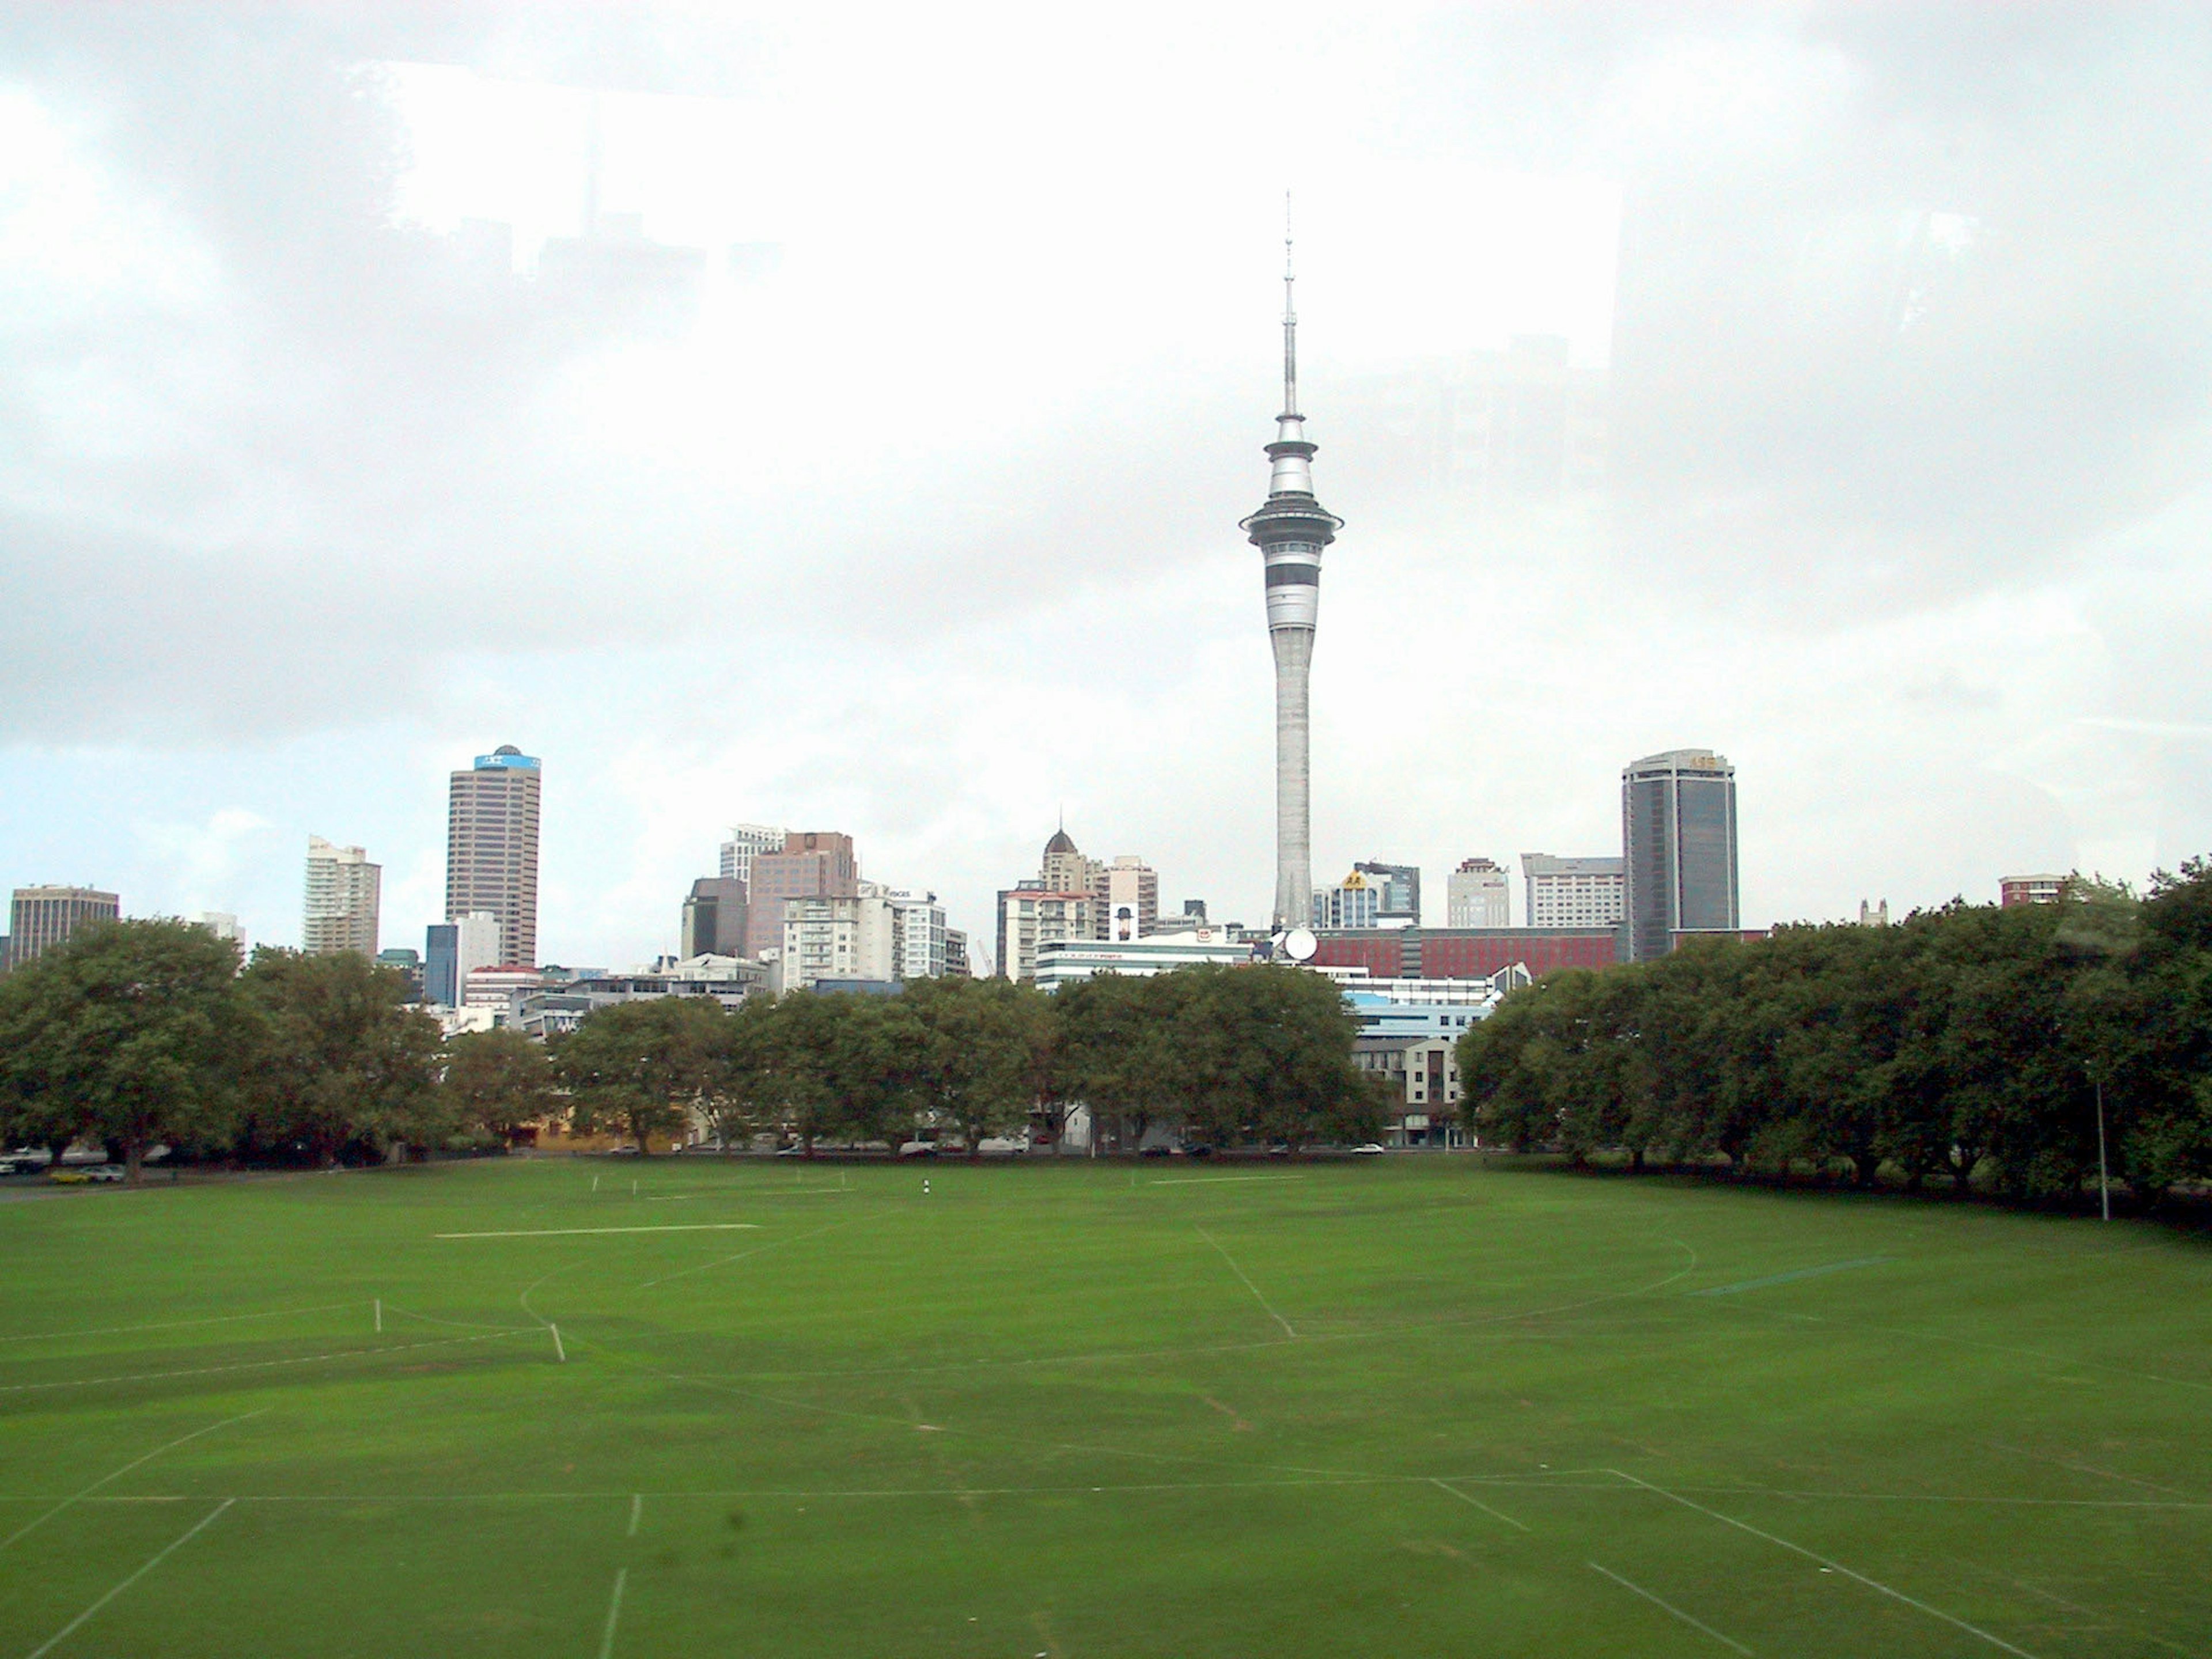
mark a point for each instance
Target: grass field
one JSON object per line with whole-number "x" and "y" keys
{"x": 1407, "y": 1407}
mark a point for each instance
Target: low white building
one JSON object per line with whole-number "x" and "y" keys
{"x": 1067, "y": 962}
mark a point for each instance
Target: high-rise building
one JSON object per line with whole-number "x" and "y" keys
{"x": 1291, "y": 530}
{"x": 839, "y": 936}
{"x": 811, "y": 864}
{"x": 2031, "y": 889}
{"x": 1128, "y": 894}
{"x": 956, "y": 965}
{"x": 1478, "y": 895}
{"x": 343, "y": 889}
{"x": 1578, "y": 892}
{"x": 451, "y": 950}
{"x": 918, "y": 936}
{"x": 714, "y": 917}
{"x": 1398, "y": 893}
{"x": 1678, "y": 829}
{"x": 40, "y": 918}
{"x": 746, "y": 842}
{"x": 1356, "y": 902}
{"x": 402, "y": 959}
{"x": 1063, "y": 869}
{"x": 1032, "y": 916}
{"x": 491, "y": 848}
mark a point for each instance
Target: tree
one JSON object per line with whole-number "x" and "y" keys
{"x": 338, "y": 1056}
{"x": 127, "y": 1032}
{"x": 979, "y": 1049}
{"x": 497, "y": 1083}
{"x": 641, "y": 1067}
{"x": 1114, "y": 1041}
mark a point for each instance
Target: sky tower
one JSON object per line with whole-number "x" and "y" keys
{"x": 1290, "y": 530}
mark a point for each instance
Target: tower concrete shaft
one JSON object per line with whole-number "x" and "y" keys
{"x": 1291, "y": 529}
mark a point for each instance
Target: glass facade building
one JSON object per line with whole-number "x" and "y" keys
{"x": 1678, "y": 832}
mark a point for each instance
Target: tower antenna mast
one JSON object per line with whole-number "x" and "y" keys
{"x": 1289, "y": 319}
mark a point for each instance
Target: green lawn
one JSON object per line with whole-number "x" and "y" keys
{"x": 1409, "y": 1406}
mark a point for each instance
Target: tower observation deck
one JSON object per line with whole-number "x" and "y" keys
{"x": 1291, "y": 529}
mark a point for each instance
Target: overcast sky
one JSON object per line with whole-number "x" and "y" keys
{"x": 910, "y": 510}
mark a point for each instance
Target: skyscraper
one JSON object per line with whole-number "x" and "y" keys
{"x": 809, "y": 863}
{"x": 746, "y": 842}
{"x": 40, "y": 918}
{"x": 1475, "y": 894}
{"x": 714, "y": 917}
{"x": 1128, "y": 894}
{"x": 1678, "y": 832}
{"x": 343, "y": 889}
{"x": 1579, "y": 892}
{"x": 1291, "y": 530}
{"x": 1398, "y": 892}
{"x": 491, "y": 848}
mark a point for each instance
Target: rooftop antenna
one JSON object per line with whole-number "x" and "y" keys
{"x": 1290, "y": 320}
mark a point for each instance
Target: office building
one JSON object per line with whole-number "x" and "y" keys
{"x": 1291, "y": 529}
{"x": 746, "y": 842}
{"x": 714, "y": 923}
{"x": 1063, "y": 869}
{"x": 1577, "y": 892}
{"x": 1128, "y": 892}
{"x": 956, "y": 964}
{"x": 1356, "y": 902}
{"x": 1397, "y": 893}
{"x": 811, "y": 864}
{"x": 1465, "y": 953}
{"x": 1678, "y": 829}
{"x": 343, "y": 887}
{"x": 401, "y": 960}
{"x": 491, "y": 848}
{"x": 40, "y": 918}
{"x": 1478, "y": 895}
{"x": 1068, "y": 962}
{"x": 451, "y": 950}
{"x": 2031, "y": 889}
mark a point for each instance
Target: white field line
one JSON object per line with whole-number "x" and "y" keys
{"x": 1697, "y": 1625}
{"x": 2088, "y": 1468}
{"x": 451, "y": 1324}
{"x": 1832, "y": 1564}
{"x": 1248, "y": 1285}
{"x": 59, "y": 1636}
{"x": 176, "y": 1324}
{"x": 1207, "y": 1180}
{"x": 614, "y": 1614}
{"x": 253, "y": 1365}
{"x": 636, "y": 1513}
{"x": 571, "y": 1232}
{"x": 1496, "y": 1514}
{"x": 724, "y": 1261}
{"x": 116, "y": 1475}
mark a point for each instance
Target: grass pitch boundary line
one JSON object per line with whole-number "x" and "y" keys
{"x": 259, "y": 1364}
{"x": 66, "y": 1631}
{"x": 178, "y": 1324}
{"x": 1248, "y": 1285}
{"x": 570, "y": 1232}
{"x": 1210, "y": 1180}
{"x": 1499, "y": 1513}
{"x": 1832, "y": 1565}
{"x": 76, "y": 1497}
{"x": 614, "y": 1616}
{"x": 1698, "y": 1624}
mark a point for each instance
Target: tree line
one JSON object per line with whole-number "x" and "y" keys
{"x": 141, "y": 1034}
{"x": 1969, "y": 1047}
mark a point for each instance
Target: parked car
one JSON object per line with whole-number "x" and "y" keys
{"x": 1367, "y": 1149}
{"x": 105, "y": 1172}
{"x": 917, "y": 1149}
{"x": 1154, "y": 1151}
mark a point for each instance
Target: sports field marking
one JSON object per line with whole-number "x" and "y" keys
{"x": 1248, "y": 1285}
{"x": 724, "y": 1261}
{"x": 63, "y": 1634}
{"x": 2085, "y": 1468}
{"x": 452, "y": 1324}
{"x": 253, "y": 1365}
{"x": 176, "y": 1324}
{"x": 1498, "y": 1514}
{"x": 79, "y": 1497}
{"x": 567, "y": 1232}
{"x": 1833, "y": 1565}
{"x": 1789, "y": 1279}
{"x": 1206, "y": 1180}
{"x": 636, "y": 1513}
{"x": 1698, "y": 1624}
{"x": 614, "y": 1614}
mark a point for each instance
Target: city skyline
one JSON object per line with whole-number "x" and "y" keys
{"x": 1878, "y": 435}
